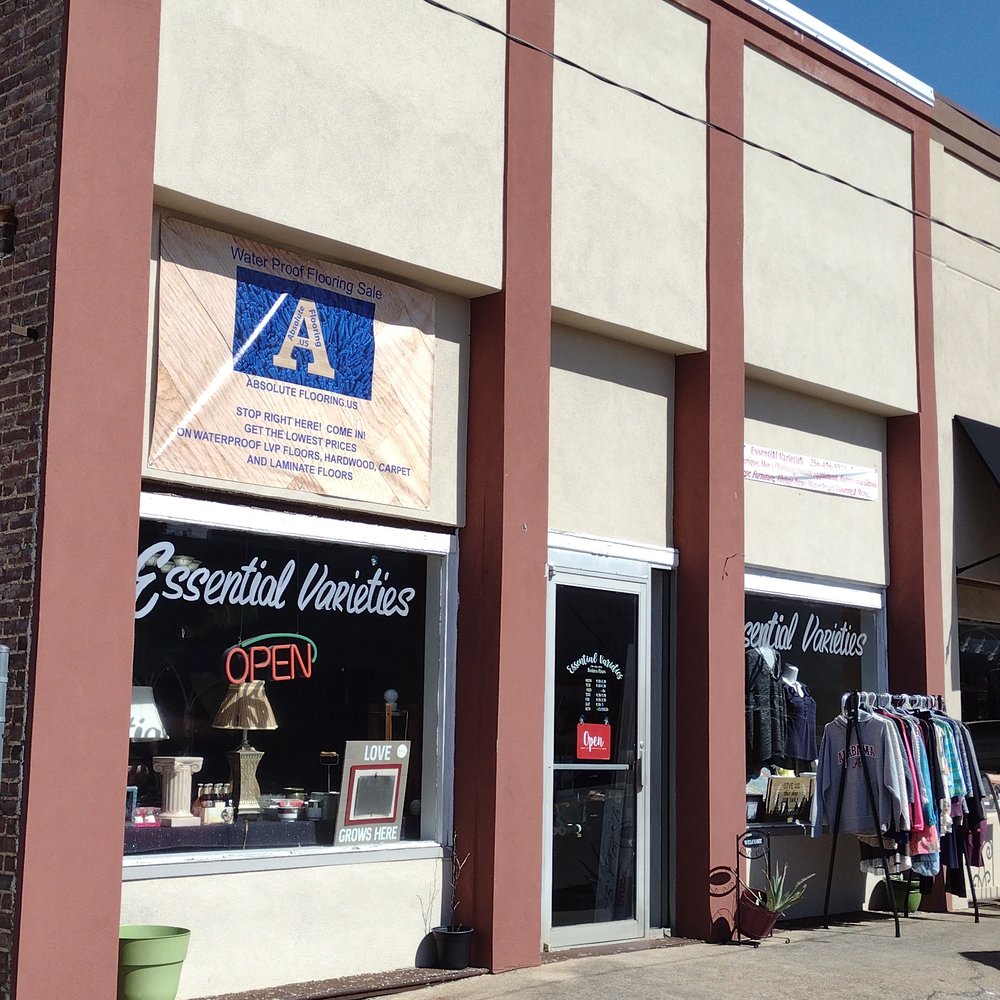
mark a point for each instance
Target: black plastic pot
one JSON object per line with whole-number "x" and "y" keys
{"x": 452, "y": 944}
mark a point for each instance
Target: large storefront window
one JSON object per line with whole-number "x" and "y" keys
{"x": 979, "y": 664}
{"x": 308, "y": 644}
{"x": 979, "y": 658}
{"x": 801, "y": 656}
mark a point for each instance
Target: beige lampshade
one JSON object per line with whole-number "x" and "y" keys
{"x": 245, "y": 706}
{"x": 145, "y": 724}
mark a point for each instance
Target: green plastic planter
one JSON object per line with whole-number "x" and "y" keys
{"x": 907, "y": 899}
{"x": 150, "y": 957}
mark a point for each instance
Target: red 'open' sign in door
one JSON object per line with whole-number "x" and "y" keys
{"x": 593, "y": 741}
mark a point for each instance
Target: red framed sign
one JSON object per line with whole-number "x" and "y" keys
{"x": 593, "y": 741}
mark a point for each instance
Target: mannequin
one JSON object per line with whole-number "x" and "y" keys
{"x": 770, "y": 657}
{"x": 801, "y": 743}
{"x": 789, "y": 675}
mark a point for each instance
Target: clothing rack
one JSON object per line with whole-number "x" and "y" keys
{"x": 908, "y": 702}
{"x": 851, "y": 702}
{"x": 924, "y": 702}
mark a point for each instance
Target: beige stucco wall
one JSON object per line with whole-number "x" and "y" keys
{"x": 628, "y": 178}
{"x": 375, "y": 127}
{"x": 610, "y": 453}
{"x": 257, "y": 929}
{"x": 851, "y": 891}
{"x": 967, "y": 360}
{"x": 804, "y": 532}
{"x": 828, "y": 272}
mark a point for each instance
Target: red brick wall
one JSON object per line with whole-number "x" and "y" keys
{"x": 30, "y": 73}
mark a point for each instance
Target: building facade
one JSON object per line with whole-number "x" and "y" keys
{"x": 482, "y": 378}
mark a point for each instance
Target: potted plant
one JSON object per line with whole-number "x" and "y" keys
{"x": 905, "y": 893}
{"x": 758, "y": 909}
{"x": 452, "y": 940}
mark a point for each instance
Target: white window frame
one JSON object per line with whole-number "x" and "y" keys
{"x": 824, "y": 590}
{"x": 439, "y": 714}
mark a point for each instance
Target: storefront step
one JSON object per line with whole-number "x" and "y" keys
{"x": 374, "y": 984}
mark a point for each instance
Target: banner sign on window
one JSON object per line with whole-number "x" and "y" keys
{"x": 283, "y": 371}
{"x": 819, "y": 475}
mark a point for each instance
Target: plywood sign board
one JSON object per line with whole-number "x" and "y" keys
{"x": 279, "y": 370}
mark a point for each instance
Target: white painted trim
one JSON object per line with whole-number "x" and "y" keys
{"x": 146, "y": 866}
{"x": 211, "y": 513}
{"x": 446, "y": 702}
{"x": 832, "y": 38}
{"x": 656, "y": 556}
{"x": 778, "y": 584}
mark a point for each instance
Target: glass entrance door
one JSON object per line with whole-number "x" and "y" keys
{"x": 597, "y": 842}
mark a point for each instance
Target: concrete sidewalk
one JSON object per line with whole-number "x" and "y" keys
{"x": 939, "y": 956}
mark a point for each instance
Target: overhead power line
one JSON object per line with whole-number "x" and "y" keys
{"x": 714, "y": 126}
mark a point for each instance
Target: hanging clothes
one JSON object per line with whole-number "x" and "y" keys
{"x": 766, "y": 712}
{"x": 962, "y": 844}
{"x": 977, "y": 809}
{"x": 928, "y": 786}
{"x": 923, "y": 846}
{"x": 840, "y": 763}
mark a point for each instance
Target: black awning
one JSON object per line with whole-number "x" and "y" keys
{"x": 986, "y": 439}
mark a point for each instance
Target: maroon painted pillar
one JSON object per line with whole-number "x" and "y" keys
{"x": 708, "y": 528}
{"x": 70, "y": 890}
{"x": 914, "y": 600}
{"x": 500, "y": 691}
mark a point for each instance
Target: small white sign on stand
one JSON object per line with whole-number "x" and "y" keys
{"x": 371, "y": 792}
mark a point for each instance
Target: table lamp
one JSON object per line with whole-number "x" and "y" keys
{"x": 145, "y": 724}
{"x": 245, "y": 706}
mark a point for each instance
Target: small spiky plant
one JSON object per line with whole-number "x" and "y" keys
{"x": 777, "y": 896}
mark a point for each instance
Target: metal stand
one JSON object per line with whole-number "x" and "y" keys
{"x": 853, "y": 731}
{"x": 751, "y": 847}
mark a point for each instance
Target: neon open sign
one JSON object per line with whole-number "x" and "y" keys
{"x": 276, "y": 656}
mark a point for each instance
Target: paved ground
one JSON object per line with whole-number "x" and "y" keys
{"x": 938, "y": 957}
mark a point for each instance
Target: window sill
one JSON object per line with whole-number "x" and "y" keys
{"x": 181, "y": 864}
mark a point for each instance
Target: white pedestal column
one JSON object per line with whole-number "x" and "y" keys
{"x": 175, "y": 773}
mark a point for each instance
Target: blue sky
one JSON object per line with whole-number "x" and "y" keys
{"x": 952, "y": 45}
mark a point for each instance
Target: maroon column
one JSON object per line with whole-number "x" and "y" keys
{"x": 500, "y": 692}
{"x": 708, "y": 528}
{"x": 69, "y": 896}
{"x": 914, "y": 599}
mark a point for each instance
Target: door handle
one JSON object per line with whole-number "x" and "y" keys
{"x": 638, "y": 772}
